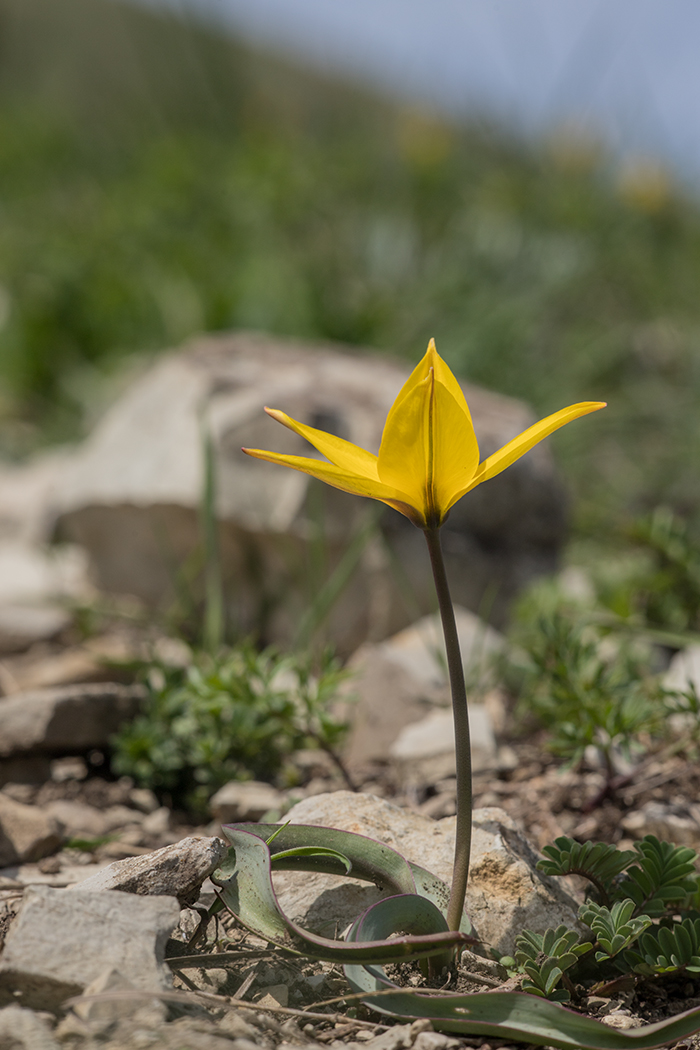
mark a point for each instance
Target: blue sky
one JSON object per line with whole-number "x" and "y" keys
{"x": 630, "y": 69}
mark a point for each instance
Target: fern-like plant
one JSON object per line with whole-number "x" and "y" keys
{"x": 640, "y": 914}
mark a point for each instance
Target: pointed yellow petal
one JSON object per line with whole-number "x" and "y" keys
{"x": 431, "y": 359}
{"x": 525, "y": 441}
{"x": 455, "y": 448}
{"x": 429, "y": 448}
{"x": 417, "y": 376}
{"x": 405, "y": 459}
{"x": 444, "y": 375}
{"x": 339, "y": 451}
{"x": 332, "y": 475}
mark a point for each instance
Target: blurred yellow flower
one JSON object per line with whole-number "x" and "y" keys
{"x": 429, "y": 456}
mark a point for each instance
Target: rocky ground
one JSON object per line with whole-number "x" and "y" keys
{"x": 103, "y": 884}
{"x": 102, "y": 887}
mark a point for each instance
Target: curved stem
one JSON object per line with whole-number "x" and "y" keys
{"x": 463, "y": 830}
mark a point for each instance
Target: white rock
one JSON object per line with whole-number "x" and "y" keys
{"x": 425, "y": 750}
{"x": 33, "y": 574}
{"x": 157, "y": 823}
{"x": 505, "y": 894}
{"x": 683, "y": 674}
{"x": 244, "y": 800}
{"x": 79, "y": 820}
{"x": 60, "y": 942}
{"x": 679, "y": 825}
{"x": 402, "y": 682}
{"x": 420, "y": 648}
{"x": 27, "y": 495}
{"x": 24, "y": 625}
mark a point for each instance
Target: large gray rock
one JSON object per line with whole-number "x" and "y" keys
{"x": 132, "y": 494}
{"x": 505, "y": 895}
{"x": 60, "y": 942}
{"x": 66, "y": 718}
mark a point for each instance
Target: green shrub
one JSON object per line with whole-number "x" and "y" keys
{"x": 236, "y": 716}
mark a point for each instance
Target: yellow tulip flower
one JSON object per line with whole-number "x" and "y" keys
{"x": 429, "y": 455}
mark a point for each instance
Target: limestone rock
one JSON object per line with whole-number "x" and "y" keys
{"x": 80, "y": 820}
{"x": 34, "y": 574}
{"x": 506, "y": 893}
{"x": 22, "y": 626}
{"x": 424, "y": 751}
{"x": 131, "y": 495}
{"x": 27, "y": 493}
{"x": 403, "y": 680}
{"x": 243, "y": 800}
{"x": 684, "y": 670}
{"x": 60, "y": 942}
{"x": 66, "y": 718}
{"x": 176, "y": 871}
{"x": 22, "y": 1029}
{"x": 27, "y": 833}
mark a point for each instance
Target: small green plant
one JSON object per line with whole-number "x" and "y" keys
{"x": 545, "y": 957}
{"x": 233, "y": 716}
{"x": 641, "y": 916}
{"x": 665, "y": 592}
{"x": 588, "y": 689}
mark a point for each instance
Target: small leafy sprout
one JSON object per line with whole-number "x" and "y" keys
{"x": 587, "y": 694}
{"x": 662, "y": 877}
{"x": 544, "y": 958}
{"x": 665, "y": 950}
{"x": 598, "y": 862}
{"x": 615, "y": 928}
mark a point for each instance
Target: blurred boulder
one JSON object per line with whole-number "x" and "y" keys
{"x": 27, "y": 833}
{"x": 131, "y": 496}
{"x": 244, "y": 800}
{"x": 402, "y": 709}
{"x": 66, "y": 719}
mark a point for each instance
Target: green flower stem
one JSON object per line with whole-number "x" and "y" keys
{"x": 463, "y": 830}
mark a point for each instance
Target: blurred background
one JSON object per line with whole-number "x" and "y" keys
{"x": 519, "y": 181}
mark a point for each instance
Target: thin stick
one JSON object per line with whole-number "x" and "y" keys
{"x": 463, "y": 828}
{"x": 221, "y": 1001}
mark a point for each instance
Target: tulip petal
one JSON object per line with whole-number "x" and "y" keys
{"x": 336, "y": 476}
{"x": 444, "y": 375}
{"x": 339, "y": 451}
{"x": 429, "y": 448}
{"x": 525, "y": 441}
{"x": 455, "y": 448}
{"x": 431, "y": 359}
{"x": 405, "y": 455}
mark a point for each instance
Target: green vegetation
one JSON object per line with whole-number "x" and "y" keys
{"x": 641, "y": 913}
{"x": 588, "y": 694}
{"x": 159, "y": 180}
{"x": 234, "y": 716}
{"x": 587, "y": 668}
